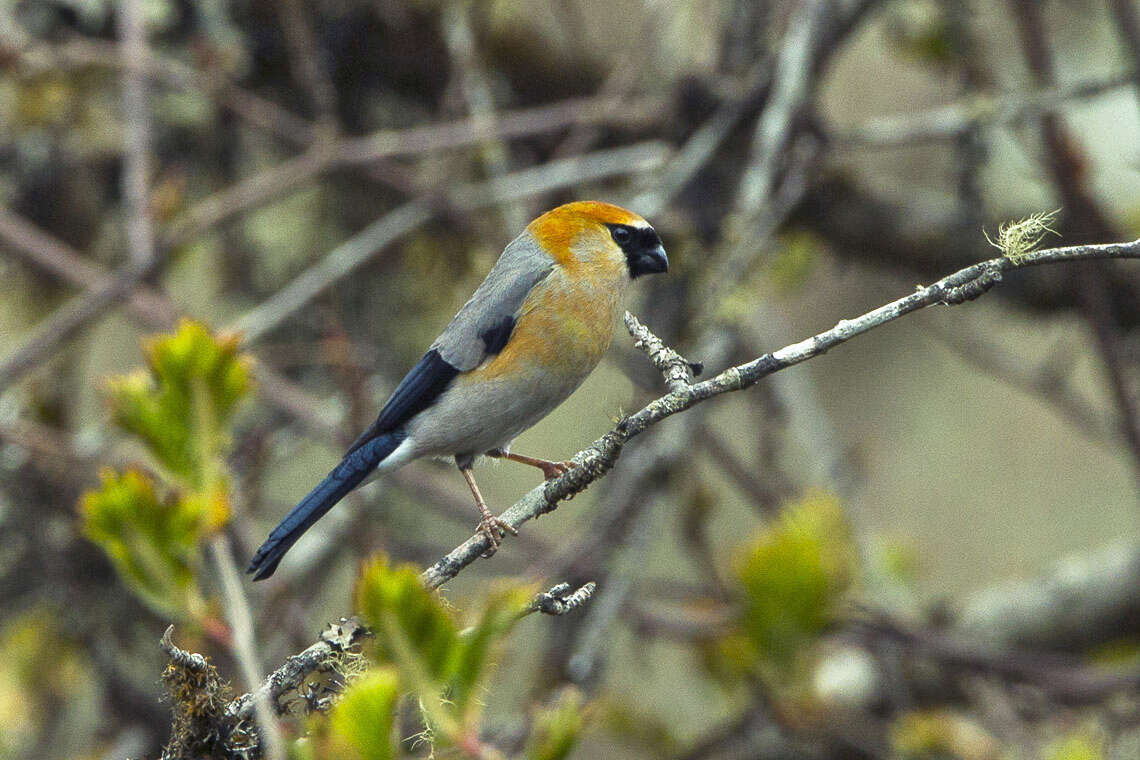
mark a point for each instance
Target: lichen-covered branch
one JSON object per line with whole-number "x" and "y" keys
{"x": 679, "y": 372}
{"x": 598, "y": 458}
{"x": 335, "y": 641}
{"x": 560, "y": 599}
{"x": 208, "y": 723}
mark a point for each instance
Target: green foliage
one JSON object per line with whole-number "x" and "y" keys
{"x": 472, "y": 664}
{"x": 409, "y": 621}
{"x": 440, "y": 662}
{"x": 362, "y": 723}
{"x": 794, "y": 261}
{"x": 557, "y": 728}
{"x": 790, "y": 581}
{"x": 181, "y": 408}
{"x": 182, "y": 404}
{"x": 39, "y": 671}
{"x": 920, "y": 30}
{"x": 152, "y": 541}
{"x": 941, "y": 735}
{"x": 1078, "y": 746}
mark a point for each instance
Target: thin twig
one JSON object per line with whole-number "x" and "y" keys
{"x": 243, "y": 646}
{"x": 597, "y": 459}
{"x": 136, "y": 133}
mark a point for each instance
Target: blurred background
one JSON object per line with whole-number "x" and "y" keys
{"x": 922, "y": 545}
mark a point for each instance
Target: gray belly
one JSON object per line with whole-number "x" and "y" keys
{"x": 472, "y": 419}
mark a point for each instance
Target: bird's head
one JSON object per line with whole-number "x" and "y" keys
{"x": 602, "y": 235}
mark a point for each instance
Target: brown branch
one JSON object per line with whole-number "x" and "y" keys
{"x": 306, "y": 62}
{"x": 1058, "y": 676}
{"x": 1085, "y": 220}
{"x": 85, "y": 52}
{"x": 66, "y": 321}
{"x": 597, "y": 459}
{"x": 346, "y": 257}
{"x": 979, "y": 110}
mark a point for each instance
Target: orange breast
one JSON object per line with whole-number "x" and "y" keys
{"x": 565, "y": 326}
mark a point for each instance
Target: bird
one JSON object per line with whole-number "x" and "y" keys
{"x": 534, "y": 329}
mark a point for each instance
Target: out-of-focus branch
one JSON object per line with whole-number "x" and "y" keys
{"x": 1047, "y": 381}
{"x": 349, "y": 255}
{"x": 1084, "y": 601}
{"x": 85, "y": 52}
{"x": 596, "y": 460}
{"x": 243, "y": 646}
{"x": 1084, "y": 220}
{"x": 143, "y": 257}
{"x": 1128, "y": 24}
{"x": 518, "y": 122}
{"x": 792, "y": 85}
{"x": 980, "y": 110}
{"x": 66, "y": 321}
{"x": 153, "y": 310}
{"x": 1059, "y": 677}
{"x": 136, "y": 133}
{"x": 469, "y": 76}
{"x": 306, "y": 62}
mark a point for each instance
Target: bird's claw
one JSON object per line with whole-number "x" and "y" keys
{"x": 552, "y": 470}
{"x": 494, "y": 529}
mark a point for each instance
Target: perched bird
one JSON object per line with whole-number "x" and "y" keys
{"x": 534, "y": 329}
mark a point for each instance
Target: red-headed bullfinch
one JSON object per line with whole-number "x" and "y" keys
{"x": 533, "y": 331}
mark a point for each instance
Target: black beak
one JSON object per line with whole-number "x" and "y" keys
{"x": 649, "y": 261}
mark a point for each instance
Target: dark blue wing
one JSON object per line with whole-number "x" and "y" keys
{"x": 417, "y": 391}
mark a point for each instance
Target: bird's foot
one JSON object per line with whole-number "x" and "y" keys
{"x": 552, "y": 470}
{"x": 494, "y": 529}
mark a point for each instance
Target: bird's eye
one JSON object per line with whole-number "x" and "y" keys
{"x": 622, "y": 235}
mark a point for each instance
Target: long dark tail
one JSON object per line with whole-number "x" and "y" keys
{"x": 355, "y": 466}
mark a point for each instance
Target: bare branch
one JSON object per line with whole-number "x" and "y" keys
{"x": 346, "y": 257}
{"x": 136, "y": 133}
{"x": 337, "y": 638}
{"x": 791, "y": 88}
{"x": 305, "y": 60}
{"x": 181, "y": 657}
{"x": 950, "y": 121}
{"x": 560, "y": 599}
{"x": 678, "y": 371}
{"x": 66, "y": 321}
{"x": 243, "y": 646}
{"x": 597, "y": 459}
{"x": 143, "y": 257}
